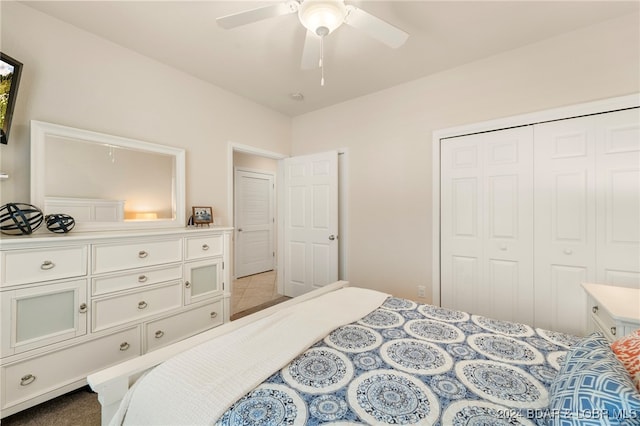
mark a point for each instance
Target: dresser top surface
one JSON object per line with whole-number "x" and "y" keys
{"x": 622, "y": 303}
{"x": 19, "y": 241}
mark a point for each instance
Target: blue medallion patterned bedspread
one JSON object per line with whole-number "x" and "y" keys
{"x": 406, "y": 363}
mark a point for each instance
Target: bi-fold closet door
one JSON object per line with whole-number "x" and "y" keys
{"x": 587, "y": 212}
{"x": 529, "y": 213}
{"x": 487, "y": 224}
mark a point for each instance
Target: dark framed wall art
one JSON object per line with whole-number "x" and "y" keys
{"x": 10, "y": 70}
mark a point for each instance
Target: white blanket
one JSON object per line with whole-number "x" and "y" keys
{"x": 198, "y": 386}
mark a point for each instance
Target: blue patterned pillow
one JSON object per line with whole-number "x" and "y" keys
{"x": 593, "y": 388}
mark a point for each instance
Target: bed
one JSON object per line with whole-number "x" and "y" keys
{"x": 349, "y": 356}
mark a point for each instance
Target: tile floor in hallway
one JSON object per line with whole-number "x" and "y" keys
{"x": 253, "y": 290}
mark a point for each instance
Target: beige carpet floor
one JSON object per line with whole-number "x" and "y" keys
{"x": 77, "y": 408}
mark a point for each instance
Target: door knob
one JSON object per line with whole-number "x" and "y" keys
{"x": 332, "y": 237}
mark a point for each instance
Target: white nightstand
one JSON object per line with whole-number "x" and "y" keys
{"x": 614, "y": 311}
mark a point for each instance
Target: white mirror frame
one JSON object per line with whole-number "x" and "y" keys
{"x": 41, "y": 130}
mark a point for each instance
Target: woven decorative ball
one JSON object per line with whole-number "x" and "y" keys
{"x": 59, "y": 223}
{"x": 20, "y": 218}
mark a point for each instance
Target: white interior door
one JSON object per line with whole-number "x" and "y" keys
{"x": 254, "y": 211}
{"x": 310, "y": 222}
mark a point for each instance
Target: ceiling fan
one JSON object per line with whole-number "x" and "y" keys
{"x": 320, "y": 18}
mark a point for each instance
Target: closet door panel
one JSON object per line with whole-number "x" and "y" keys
{"x": 461, "y": 222}
{"x": 618, "y": 193}
{"x": 508, "y": 224}
{"x": 463, "y": 277}
{"x": 570, "y": 194}
{"x": 506, "y": 291}
{"x": 464, "y": 207}
{"x": 487, "y": 225}
{"x": 565, "y": 222}
{"x": 567, "y": 302}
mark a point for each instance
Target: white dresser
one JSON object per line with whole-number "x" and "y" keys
{"x": 76, "y": 303}
{"x": 614, "y": 311}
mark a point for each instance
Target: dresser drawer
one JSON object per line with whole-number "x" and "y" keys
{"x": 603, "y": 321}
{"x": 205, "y": 246}
{"x": 177, "y": 327}
{"x": 115, "y": 257}
{"x": 35, "y": 376}
{"x": 130, "y": 281}
{"x": 30, "y": 266}
{"x": 112, "y": 311}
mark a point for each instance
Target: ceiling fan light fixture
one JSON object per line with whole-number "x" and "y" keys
{"x": 322, "y": 17}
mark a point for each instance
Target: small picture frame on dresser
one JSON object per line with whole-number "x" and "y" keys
{"x": 202, "y": 215}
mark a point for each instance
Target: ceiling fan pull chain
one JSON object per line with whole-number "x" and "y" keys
{"x": 321, "y": 51}
{"x": 321, "y": 61}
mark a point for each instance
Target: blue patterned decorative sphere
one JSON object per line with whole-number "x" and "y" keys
{"x": 59, "y": 223}
{"x": 20, "y": 218}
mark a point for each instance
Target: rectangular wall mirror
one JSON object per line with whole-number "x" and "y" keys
{"x": 104, "y": 181}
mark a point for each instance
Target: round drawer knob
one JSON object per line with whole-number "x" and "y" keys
{"x": 187, "y": 284}
{"x": 142, "y": 279}
{"x": 567, "y": 251}
{"x": 613, "y": 331}
{"x": 205, "y": 247}
{"x": 124, "y": 346}
{"x": 47, "y": 264}
{"x": 142, "y": 305}
{"x": 83, "y": 308}
{"x": 27, "y": 380}
{"x": 159, "y": 334}
{"x": 142, "y": 254}
{"x": 594, "y": 309}
{"x": 214, "y": 314}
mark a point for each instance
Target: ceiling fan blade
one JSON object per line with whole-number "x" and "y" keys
{"x": 311, "y": 51}
{"x": 375, "y": 27}
{"x": 255, "y": 15}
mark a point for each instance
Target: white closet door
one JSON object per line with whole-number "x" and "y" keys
{"x": 565, "y": 222}
{"x": 461, "y": 222}
{"x": 618, "y": 198}
{"x": 487, "y": 224}
{"x": 587, "y": 210}
{"x": 508, "y": 224}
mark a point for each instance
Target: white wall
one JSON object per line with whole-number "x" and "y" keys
{"x": 388, "y": 135}
{"x": 74, "y": 78}
{"x": 254, "y": 162}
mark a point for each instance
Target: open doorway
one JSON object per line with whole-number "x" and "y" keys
{"x": 254, "y": 213}
{"x": 252, "y": 189}
{"x": 247, "y": 158}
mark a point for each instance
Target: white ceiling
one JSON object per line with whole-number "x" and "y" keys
{"x": 261, "y": 61}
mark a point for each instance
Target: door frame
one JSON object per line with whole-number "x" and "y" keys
{"x": 343, "y": 206}
{"x": 274, "y": 211}
{"x": 587, "y": 108}
{"x": 246, "y": 149}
